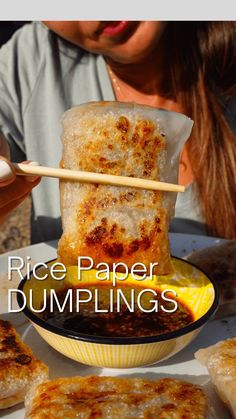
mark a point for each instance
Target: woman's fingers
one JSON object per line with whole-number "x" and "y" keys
{"x": 31, "y": 178}
{"x": 13, "y": 189}
{"x": 7, "y": 172}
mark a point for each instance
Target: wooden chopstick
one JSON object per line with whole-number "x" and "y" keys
{"x": 90, "y": 177}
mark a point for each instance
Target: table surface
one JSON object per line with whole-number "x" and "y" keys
{"x": 182, "y": 366}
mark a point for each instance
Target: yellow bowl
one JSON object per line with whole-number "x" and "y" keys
{"x": 192, "y": 286}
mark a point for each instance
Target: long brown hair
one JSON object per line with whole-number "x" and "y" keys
{"x": 203, "y": 74}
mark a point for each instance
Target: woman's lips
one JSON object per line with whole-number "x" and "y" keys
{"x": 115, "y": 28}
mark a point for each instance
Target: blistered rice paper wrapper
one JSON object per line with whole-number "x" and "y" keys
{"x": 120, "y": 224}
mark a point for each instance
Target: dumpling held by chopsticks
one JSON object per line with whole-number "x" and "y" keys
{"x": 119, "y": 224}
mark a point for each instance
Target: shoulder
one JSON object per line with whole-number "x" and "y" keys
{"x": 20, "y": 61}
{"x": 31, "y": 46}
{"x": 27, "y": 42}
{"x": 25, "y": 57}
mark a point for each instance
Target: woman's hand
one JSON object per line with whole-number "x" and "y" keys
{"x": 13, "y": 189}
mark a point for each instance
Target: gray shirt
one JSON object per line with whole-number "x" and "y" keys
{"x": 41, "y": 76}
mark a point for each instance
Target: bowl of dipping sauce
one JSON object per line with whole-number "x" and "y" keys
{"x": 127, "y": 324}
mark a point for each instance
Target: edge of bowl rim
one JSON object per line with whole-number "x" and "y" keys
{"x": 124, "y": 340}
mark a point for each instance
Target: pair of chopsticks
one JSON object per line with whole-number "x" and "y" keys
{"x": 90, "y": 177}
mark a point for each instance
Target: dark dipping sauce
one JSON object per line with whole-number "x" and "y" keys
{"x": 118, "y": 324}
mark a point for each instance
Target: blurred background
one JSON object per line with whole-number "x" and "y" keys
{"x": 15, "y": 232}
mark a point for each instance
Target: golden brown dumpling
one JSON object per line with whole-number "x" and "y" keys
{"x": 19, "y": 369}
{"x": 220, "y": 360}
{"x": 115, "y": 398}
{"x": 119, "y": 224}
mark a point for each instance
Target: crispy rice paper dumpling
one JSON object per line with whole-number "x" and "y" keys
{"x": 116, "y": 398}
{"x": 119, "y": 224}
{"x": 220, "y": 360}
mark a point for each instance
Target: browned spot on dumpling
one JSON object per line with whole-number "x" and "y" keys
{"x": 168, "y": 407}
{"x": 156, "y": 141}
{"x": 127, "y": 196}
{"x": 104, "y": 221}
{"x": 113, "y": 249}
{"x": 88, "y": 206}
{"x": 135, "y": 138}
{"x": 122, "y": 124}
{"x": 10, "y": 343}
{"x": 113, "y": 229}
{"x": 5, "y": 325}
{"x": 149, "y": 162}
{"x": 105, "y": 133}
{"x": 95, "y": 235}
{"x": 23, "y": 359}
{"x": 147, "y": 127}
{"x": 111, "y": 164}
{"x": 106, "y": 202}
{"x": 145, "y": 242}
{"x": 133, "y": 246}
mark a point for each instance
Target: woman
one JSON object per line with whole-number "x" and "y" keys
{"x": 188, "y": 67}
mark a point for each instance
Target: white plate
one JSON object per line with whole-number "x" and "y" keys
{"x": 182, "y": 365}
